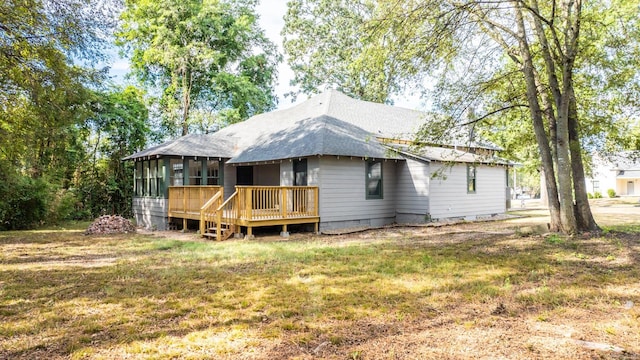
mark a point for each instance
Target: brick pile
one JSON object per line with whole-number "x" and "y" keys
{"x": 110, "y": 224}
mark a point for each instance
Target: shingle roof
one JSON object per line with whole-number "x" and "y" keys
{"x": 328, "y": 124}
{"x": 322, "y": 135}
{"x": 188, "y": 145}
{"x": 378, "y": 120}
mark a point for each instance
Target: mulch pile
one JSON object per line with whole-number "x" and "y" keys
{"x": 110, "y": 224}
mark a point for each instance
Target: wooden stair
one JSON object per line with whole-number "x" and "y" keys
{"x": 227, "y": 230}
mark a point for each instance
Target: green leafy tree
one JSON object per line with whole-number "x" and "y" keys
{"x": 118, "y": 126}
{"x": 328, "y": 46}
{"x": 44, "y": 98}
{"x": 208, "y": 55}
{"x": 41, "y": 90}
{"x": 324, "y": 46}
{"x": 529, "y": 63}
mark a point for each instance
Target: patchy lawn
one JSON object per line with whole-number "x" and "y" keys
{"x": 473, "y": 290}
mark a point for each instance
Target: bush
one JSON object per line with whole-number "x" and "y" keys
{"x": 25, "y": 201}
{"x": 67, "y": 206}
{"x": 597, "y": 195}
{"x": 611, "y": 193}
{"x": 589, "y": 195}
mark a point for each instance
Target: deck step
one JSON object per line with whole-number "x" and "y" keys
{"x": 214, "y": 229}
{"x": 226, "y": 232}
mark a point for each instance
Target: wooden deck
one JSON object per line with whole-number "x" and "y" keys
{"x": 248, "y": 206}
{"x": 185, "y": 202}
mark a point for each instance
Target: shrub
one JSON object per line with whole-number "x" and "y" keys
{"x": 611, "y": 193}
{"x": 67, "y": 206}
{"x": 25, "y": 202}
{"x": 589, "y": 195}
{"x": 597, "y": 195}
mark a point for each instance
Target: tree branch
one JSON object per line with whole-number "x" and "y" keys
{"x": 493, "y": 113}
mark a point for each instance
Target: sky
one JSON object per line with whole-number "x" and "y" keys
{"x": 271, "y": 14}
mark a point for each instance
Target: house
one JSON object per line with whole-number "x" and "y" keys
{"x": 619, "y": 172}
{"x": 332, "y": 161}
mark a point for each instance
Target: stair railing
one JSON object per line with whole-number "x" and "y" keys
{"x": 226, "y": 214}
{"x": 208, "y": 211}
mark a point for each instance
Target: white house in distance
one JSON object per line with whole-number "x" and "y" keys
{"x": 332, "y": 161}
{"x": 620, "y": 172}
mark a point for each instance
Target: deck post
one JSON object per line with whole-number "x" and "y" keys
{"x": 284, "y": 233}
{"x": 316, "y": 228}
{"x": 219, "y": 224}
{"x": 202, "y": 223}
{"x": 283, "y": 204}
{"x": 248, "y": 204}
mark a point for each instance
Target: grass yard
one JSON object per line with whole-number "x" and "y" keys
{"x": 473, "y": 290}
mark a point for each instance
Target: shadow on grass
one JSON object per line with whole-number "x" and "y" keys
{"x": 302, "y": 291}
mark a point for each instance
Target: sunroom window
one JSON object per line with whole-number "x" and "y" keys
{"x": 138, "y": 185}
{"x": 153, "y": 178}
{"x": 195, "y": 172}
{"x": 175, "y": 167}
{"x": 213, "y": 172}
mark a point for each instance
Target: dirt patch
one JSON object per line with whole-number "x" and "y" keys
{"x": 172, "y": 234}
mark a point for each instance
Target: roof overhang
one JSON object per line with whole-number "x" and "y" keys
{"x": 449, "y": 155}
{"x": 628, "y": 174}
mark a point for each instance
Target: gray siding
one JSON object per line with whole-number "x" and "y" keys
{"x": 286, "y": 173}
{"x": 412, "y": 191}
{"x": 229, "y": 180}
{"x": 449, "y": 197}
{"x": 343, "y": 200}
{"x": 150, "y": 213}
{"x": 313, "y": 171}
{"x": 266, "y": 175}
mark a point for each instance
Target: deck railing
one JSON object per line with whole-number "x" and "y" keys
{"x": 188, "y": 200}
{"x": 248, "y": 206}
{"x": 277, "y": 202}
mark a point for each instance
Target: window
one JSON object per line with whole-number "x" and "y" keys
{"x": 160, "y": 178}
{"x": 153, "y": 182}
{"x": 596, "y": 186}
{"x": 138, "y": 184}
{"x": 145, "y": 182}
{"x": 471, "y": 179}
{"x": 374, "y": 179}
{"x": 149, "y": 178}
{"x": 300, "y": 172}
{"x": 175, "y": 172}
{"x": 213, "y": 172}
{"x": 195, "y": 172}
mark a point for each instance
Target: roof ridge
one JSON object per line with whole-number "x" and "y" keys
{"x": 330, "y": 96}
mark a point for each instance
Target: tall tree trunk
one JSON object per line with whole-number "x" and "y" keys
{"x": 584, "y": 217}
{"x": 538, "y": 124}
{"x": 186, "y": 100}
{"x": 571, "y": 35}
{"x": 565, "y": 189}
{"x": 552, "y": 78}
